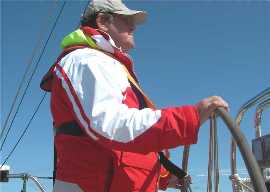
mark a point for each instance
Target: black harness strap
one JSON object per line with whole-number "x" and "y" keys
{"x": 70, "y": 128}
{"x": 171, "y": 167}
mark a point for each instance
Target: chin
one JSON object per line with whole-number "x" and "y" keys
{"x": 130, "y": 44}
{"x": 127, "y": 47}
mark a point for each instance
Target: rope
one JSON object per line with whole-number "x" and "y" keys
{"x": 34, "y": 71}
{"x": 241, "y": 184}
{"x": 213, "y": 156}
{"x": 210, "y": 159}
{"x": 185, "y": 158}
{"x": 216, "y": 160}
{"x": 24, "y": 131}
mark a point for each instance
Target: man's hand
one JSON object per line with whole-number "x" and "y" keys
{"x": 208, "y": 105}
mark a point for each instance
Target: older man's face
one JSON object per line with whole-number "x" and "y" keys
{"x": 121, "y": 30}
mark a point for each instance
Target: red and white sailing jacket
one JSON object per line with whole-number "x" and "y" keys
{"x": 98, "y": 94}
{"x": 119, "y": 151}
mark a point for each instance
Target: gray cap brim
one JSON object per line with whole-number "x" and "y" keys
{"x": 139, "y": 16}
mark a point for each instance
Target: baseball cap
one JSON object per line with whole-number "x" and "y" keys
{"x": 114, "y": 6}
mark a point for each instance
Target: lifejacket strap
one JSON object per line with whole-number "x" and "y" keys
{"x": 171, "y": 167}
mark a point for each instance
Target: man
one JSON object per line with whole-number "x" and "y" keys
{"x": 108, "y": 133}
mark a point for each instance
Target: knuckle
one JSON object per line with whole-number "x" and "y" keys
{"x": 215, "y": 97}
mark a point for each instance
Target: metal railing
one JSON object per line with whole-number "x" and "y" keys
{"x": 260, "y": 99}
{"x": 25, "y": 177}
{"x": 258, "y": 116}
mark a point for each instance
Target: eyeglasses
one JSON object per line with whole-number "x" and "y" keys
{"x": 127, "y": 19}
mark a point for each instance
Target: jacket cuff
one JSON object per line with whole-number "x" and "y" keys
{"x": 193, "y": 121}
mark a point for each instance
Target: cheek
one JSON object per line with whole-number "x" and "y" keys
{"x": 128, "y": 40}
{"x": 127, "y": 36}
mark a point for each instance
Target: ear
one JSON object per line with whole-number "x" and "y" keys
{"x": 102, "y": 22}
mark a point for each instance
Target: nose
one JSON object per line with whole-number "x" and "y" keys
{"x": 132, "y": 27}
{"x": 130, "y": 21}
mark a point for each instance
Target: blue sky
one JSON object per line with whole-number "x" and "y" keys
{"x": 187, "y": 50}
